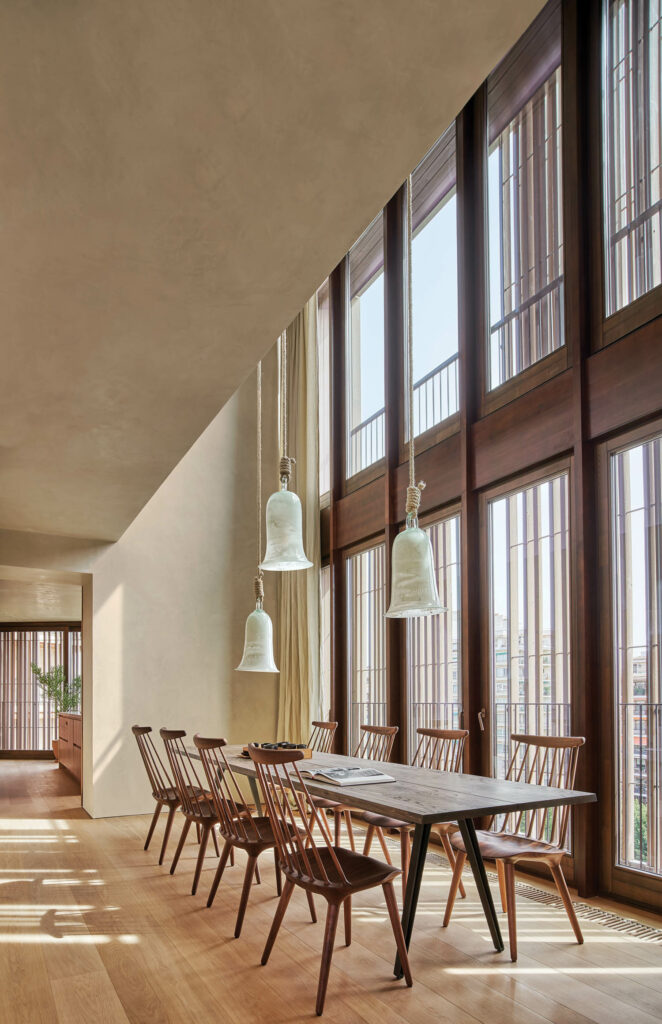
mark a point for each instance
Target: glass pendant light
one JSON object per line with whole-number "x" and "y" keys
{"x": 284, "y": 519}
{"x": 413, "y": 581}
{"x": 259, "y": 635}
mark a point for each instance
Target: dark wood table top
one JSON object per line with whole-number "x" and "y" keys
{"x": 423, "y": 796}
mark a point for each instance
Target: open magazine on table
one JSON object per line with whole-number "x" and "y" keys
{"x": 345, "y": 776}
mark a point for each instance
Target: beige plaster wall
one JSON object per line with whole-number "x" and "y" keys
{"x": 170, "y": 599}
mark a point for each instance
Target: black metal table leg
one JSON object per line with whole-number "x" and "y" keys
{"x": 477, "y": 866}
{"x": 416, "y": 864}
{"x": 255, "y": 792}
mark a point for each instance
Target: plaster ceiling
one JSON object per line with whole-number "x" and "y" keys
{"x": 176, "y": 178}
{"x": 39, "y": 602}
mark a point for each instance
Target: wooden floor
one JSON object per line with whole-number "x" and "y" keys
{"x": 94, "y": 931}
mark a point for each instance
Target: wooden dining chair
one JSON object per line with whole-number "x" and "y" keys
{"x": 327, "y": 870}
{"x": 322, "y": 737}
{"x": 441, "y": 750}
{"x": 238, "y": 827}
{"x": 537, "y": 835}
{"x": 163, "y": 788}
{"x": 375, "y": 744}
{"x": 196, "y": 802}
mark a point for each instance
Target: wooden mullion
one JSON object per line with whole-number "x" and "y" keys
{"x": 337, "y": 335}
{"x": 471, "y": 191}
{"x": 394, "y": 342}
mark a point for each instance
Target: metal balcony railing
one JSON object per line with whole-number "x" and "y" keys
{"x": 639, "y": 780}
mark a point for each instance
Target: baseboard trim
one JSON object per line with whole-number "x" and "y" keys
{"x": 27, "y": 755}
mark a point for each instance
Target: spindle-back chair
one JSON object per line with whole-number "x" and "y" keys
{"x": 440, "y": 750}
{"x": 196, "y": 803}
{"x": 535, "y": 835}
{"x": 163, "y": 788}
{"x": 322, "y": 737}
{"x": 238, "y": 827}
{"x": 326, "y": 870}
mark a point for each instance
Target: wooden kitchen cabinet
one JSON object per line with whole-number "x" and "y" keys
{"x": 70, "y": 747}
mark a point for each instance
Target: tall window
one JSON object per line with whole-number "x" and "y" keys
{"x": 367, "y": 640}
{"x": 365, "y": 351}
{"x": 525, "y": 201}
{"x": 324, "y": 387}
{"x": 636, "y": 522}
{"x": 530, "y": 605}
{"x": 633, "y": 149}
{"x": 27, "y": 716}
{"x": 434, "y": 673}
{"x": 434, "y": 273}
{"x": 325, "y": 630}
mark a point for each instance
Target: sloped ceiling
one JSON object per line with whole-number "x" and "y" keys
{"x": 176, "y": 178}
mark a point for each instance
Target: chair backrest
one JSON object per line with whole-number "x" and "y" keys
{"x": 440, "y": 749}
{"x": 236, "y": 821}
{"x": 543, "y": 761}
{"x": 376, "y": 742}
{"x": 159, "y": 778}
{"x": 188, "y": 784}
{"x": 291, "y": 813}
{"x": 322, "y": 737}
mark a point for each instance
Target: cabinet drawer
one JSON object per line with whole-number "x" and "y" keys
{"x": 77, "y": 731}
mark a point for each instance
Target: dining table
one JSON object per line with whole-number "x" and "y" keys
{"x": 423, "y": 797}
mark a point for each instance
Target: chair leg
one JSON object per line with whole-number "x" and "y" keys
{"x": 197, "y": 831}
{"x": 502, "y": 885}
{"x": 509, "y": 875}
{"x": 450, "y": 855}
{"x": 332, "y": 914}
{"x": 180, "y": 845}
{"x": 213, "y": 835}
{"x": 258, "y": 879}
{"x": 278, "y": 876}
{"x": 288, "y": 889}
{"x": 455, "y": 884}
{"x": 557, "y": 875}
{"x": 350, "y": 830}
{"x": 227, "y": 850}
{"x": 389, "y": 895}
{"x": 347, "y": 906}
{"x": 166, "y": 834}
{"x": 382, "y": 843}
{"x": 246, "y": 888}
{"x": 405, "y": 853}
{"x": 232, "y": 857}
{"x": 311, "y": 906}
{"x": 201, "y": 856}
{"x": 155, "y": 818}
{"x": 370, "y": 834}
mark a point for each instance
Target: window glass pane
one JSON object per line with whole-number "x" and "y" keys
{"x": 433, "y": 643}
{"x": 529, "y": 609}
{"x": 632, "y": 150}
{"x": 365, "y": 350}
{"x": 324, "y": 387}
{"x": 325, "y": 629}
{"x": 636, "y": 528}
{"x": 434, "y": 285}
{"x": 367, "y": 643}
{"x": 525, "y": 222}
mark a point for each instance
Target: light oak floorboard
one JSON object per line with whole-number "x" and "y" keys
{"x": 92, "y": 929}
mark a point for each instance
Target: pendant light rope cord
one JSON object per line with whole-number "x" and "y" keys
{"x": 286, "y": 462}
{"x": 259, "y": 579}
{"x": 413, "y": 490}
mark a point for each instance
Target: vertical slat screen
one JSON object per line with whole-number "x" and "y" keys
{"x": 530, "y": 614}
{"x": 434, "y": 671}
{"x": 636, "y": 514}
{"x": 525, "y": 206}
{"x": 27, "y": 718}
{"x": 367, "y": 640}
{"x": 325, "y": 624}
{"x": 632, "y": 149}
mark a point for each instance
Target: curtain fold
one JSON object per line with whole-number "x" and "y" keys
{"x": 299, "y": 700}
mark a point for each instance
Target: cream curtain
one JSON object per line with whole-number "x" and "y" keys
{"x": 299, "y": 700}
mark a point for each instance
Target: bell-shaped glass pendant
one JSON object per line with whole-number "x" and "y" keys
{"x": 284, "y": 533}
{"x": 258, "y": 643}
{"x": 413, "y": 582}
